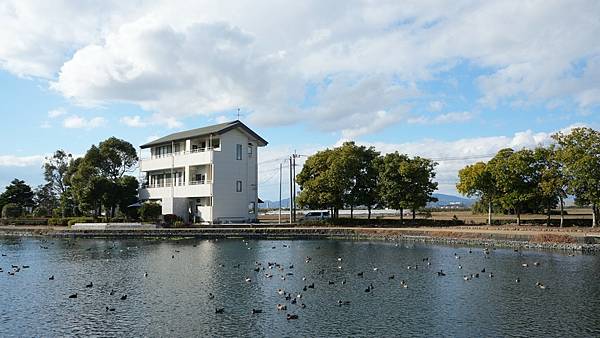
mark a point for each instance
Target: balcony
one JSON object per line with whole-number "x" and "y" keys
{"x": 180, "y": 190}
{"x": 179, "y": 159}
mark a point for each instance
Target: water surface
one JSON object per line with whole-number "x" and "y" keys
{"x": 174, "y": 299}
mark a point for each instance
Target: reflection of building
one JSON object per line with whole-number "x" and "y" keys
{"x": 204, "y": 175}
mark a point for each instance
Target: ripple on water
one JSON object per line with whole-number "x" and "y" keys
{"x": 173, "y": 300}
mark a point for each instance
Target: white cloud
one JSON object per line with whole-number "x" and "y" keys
{"x": 436, "y": 106}
{"x": 54, "y": 113}
{"x": 454, "y": 117}
{"x": 78, "y": 122}
{"x": 133, "y": 121}
{"x": 305, "y": 61}
{"x": 21, "y": 161}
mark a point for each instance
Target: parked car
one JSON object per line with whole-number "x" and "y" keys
{"x": 316, "y": 216}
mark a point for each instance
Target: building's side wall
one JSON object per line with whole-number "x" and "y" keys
{"x": 228, "y": 204}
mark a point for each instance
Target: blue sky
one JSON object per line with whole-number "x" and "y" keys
{"x": 431, "y": 79}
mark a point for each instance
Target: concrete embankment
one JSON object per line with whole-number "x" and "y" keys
{"x": 468, "y": 236}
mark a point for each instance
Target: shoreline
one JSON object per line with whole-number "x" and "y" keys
{"x": 564, "y": 240}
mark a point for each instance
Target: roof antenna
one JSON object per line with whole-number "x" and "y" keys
{"x": 238, "y": 114}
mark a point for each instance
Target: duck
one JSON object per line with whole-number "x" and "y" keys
{"x": 294, "y": 301}
{"x": 536, "y": 263}
{"x": 303, "y": 306}
{"x": 466, "y": 278}
{"x": 331, "y": 282}
{"x": 311, "y": 286}
{"x": 304, "y": 288}
{"x": 341, "y": 302}
{"x": 112, "y": 292}
{"x": 211, "y": 296}
{"x": 491, "y": 275}
{"x": 391, "y": 277}
{"x": 375, "y": 269}
{"x": 280, "y": 292}
{"x": 441, "y": 273}
{"x": 291, "y": 317}
{"x": 460, "y": 266}
{"x": 123, "y": 297}
{"x": 51, "y": 277}
{"x": 524, "y": 265}
{"x": 89, "y": 285}
{"x": 344, "y": 281}
{"x": 110, "y": 308}
{"x": 25, "y": 266}
{"x": 517, "y": 280}
{"x": 339, "y": 259}
{"x": 248, "y": 280}
{"x": 281, "y": 307}
{"x": 220, "y": 310}
{"x": 360, "y": 274}
{"x": 73, "y": 295}
{"x": 146, "y": 274}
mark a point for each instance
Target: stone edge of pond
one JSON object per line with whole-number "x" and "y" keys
{"x": 511, "y": 240}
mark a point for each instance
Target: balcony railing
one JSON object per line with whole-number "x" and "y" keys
{"x": 179, "y": 153}
{"x": 177, "y": 184}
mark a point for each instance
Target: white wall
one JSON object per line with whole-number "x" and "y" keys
{"x": 227, "y": 203}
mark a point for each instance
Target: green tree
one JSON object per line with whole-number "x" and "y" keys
{"x": 420, "y": 174}
{"x": 517, "y": 178}
{"x": 115, "y": 157}
{"x": 55, "y": 167}
{"x": 476, "y": 180}
{"x": 552, "y": 183}
{"x": 150, "y": 211}
{"x": 19, "y": 193}
{"x": 394, "y": 180}
{"x": 319, "y": 187}
{"x": 11, "y": 210}
{"x": 579, "y": 151}
{"x": 356, "y": 168}
{"x": 45, "y": 198}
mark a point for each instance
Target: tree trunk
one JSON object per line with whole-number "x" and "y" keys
{"x": 490, "y": 213}
{"x": 593, "y": 215}
{"x": 549, "y": 213}
{"x": 562, "y": 214}
{"x": 401, "y": 215}
{"x": 518, "y": 211}
{"x": 351, "y": 211}
{"x": 413, "y": 214}
{"x": 369, "y": 212}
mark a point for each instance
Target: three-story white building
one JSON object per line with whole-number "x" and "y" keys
{"x": 204, "y": 175}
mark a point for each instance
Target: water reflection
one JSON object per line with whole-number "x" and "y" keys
{"x": 173, "y": 299}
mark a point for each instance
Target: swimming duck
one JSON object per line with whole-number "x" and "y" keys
{"x": 110, "y": 308}
{"x": 51, "y": 277}
{"x": 220, "y": 310}
{"x": 73, "y": 295}
{"x": 281, "y": 307}
{"x": 123, "y": 297}
{"x": 290, "y": 317}
{"x": 89, "y": 285}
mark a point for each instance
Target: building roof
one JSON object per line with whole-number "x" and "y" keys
{"x": 205, "y": 131}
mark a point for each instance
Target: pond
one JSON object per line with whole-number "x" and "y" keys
{"x": 173, "y": 288}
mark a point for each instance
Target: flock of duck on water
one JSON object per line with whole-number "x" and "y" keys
{"x": 296, "y": 298}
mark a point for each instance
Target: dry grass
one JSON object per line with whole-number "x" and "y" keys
{"x": 553, "y": 238}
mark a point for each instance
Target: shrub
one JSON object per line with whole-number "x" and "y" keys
{"x": 169, "y": 219}
{"x": 75, "y": 220}
{"x": 11, "y": 210}
{"x": 40, "y": 212}
{"x": 150, "y": 211}
{"x": 58, "y": 221}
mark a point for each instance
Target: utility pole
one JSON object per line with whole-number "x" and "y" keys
{"x": 294, "y": 183}
{"x": 291, "y": 190}
{"x": 280, "y": 168}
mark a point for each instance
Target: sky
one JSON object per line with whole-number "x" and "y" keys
{"x": 454, "y": 81}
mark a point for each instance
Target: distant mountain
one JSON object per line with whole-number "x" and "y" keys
{"x": 443, "y": 200}
{"x": 446, "y": 200}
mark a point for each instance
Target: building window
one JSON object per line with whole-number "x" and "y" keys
{"x": 238, "y": 151}
{"x": 238, "y": 186}
{"x": 249, "y": 149}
